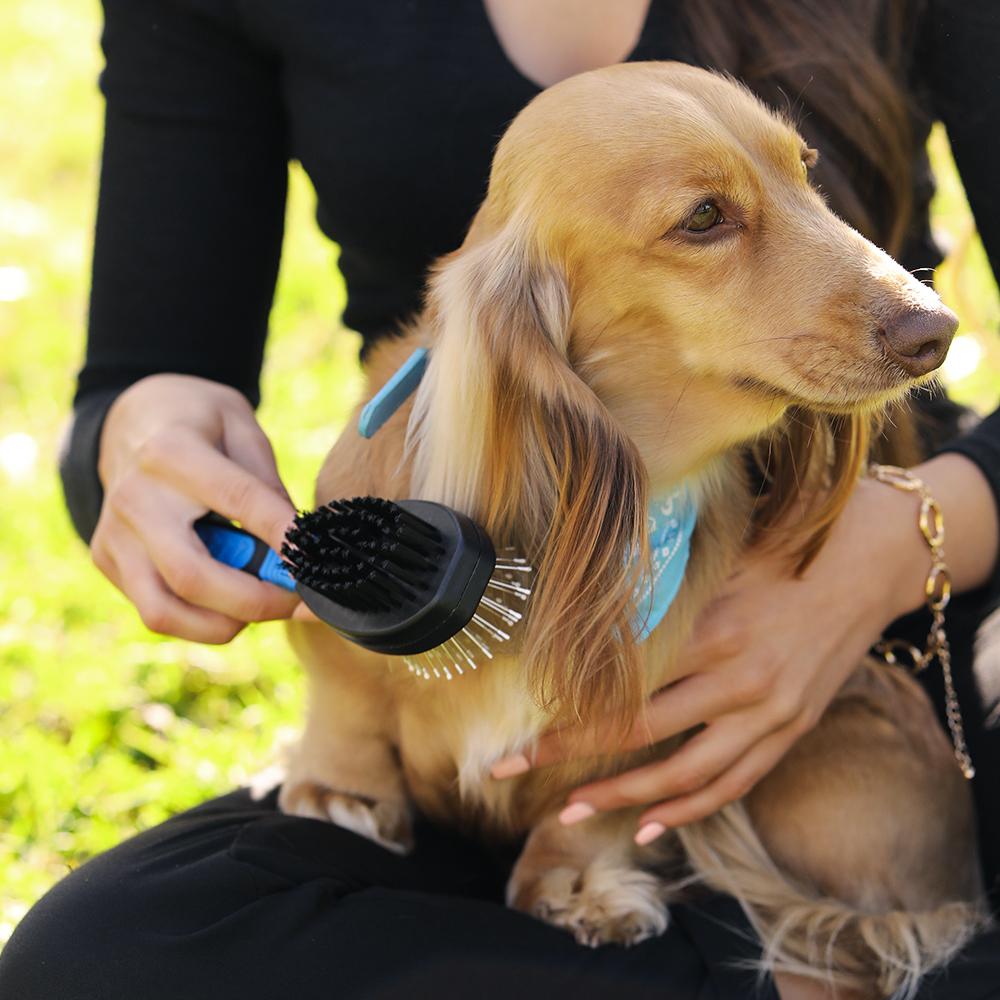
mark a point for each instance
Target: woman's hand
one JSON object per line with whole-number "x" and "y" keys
{"x": 767, "y": 657}
{"x": 172, "y": 448}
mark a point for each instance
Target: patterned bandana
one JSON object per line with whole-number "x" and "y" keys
{"x": 671, "y": 524}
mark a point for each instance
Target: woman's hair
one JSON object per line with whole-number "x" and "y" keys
{"x": 839, "y": 68}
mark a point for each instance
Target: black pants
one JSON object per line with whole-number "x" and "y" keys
{"x": 235, "y": 900}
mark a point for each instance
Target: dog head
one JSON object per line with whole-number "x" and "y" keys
{"x": 651, "y": 281}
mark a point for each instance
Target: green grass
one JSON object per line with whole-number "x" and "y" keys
{"x": 105, "y": 728}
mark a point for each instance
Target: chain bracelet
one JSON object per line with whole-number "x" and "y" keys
{"x": 937, "y": 590}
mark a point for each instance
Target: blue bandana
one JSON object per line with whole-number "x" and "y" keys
{"x": 671, "y": 524}
{"x": 671, "y": 518}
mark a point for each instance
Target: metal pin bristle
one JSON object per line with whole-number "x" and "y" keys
{"x": 489, "y": 626}
{"x": 374, "y": 557}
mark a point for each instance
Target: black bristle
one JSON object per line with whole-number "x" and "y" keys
{"x": 366, "y": 553}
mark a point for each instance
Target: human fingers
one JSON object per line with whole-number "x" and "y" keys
{"x": 121, "y": 557}
{"x": 733, "y": 784}
{"x": 246, "y": 443}
{"x": 673, "y": 710}
{"x": 198, "y": 470}
{"x": 699, "y": 762}
{"x": 162, "y": 520}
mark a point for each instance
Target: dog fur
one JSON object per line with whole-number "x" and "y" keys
{"x": 588, "y": 352}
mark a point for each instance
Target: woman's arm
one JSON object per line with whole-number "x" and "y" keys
{"x": 972, "y": 516}
{"x": 189, "y": 228}
{"x": 957, "y": 73}
{"x": 189, "y": 219}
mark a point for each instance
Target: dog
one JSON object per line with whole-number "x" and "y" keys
{"x": 651, "y": 287}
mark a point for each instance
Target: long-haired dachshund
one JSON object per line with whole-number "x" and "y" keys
{"x": 651, "y": 286}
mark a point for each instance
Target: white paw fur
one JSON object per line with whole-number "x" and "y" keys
{"x": 603, "y": 904}
{"x": 386, "y": 822}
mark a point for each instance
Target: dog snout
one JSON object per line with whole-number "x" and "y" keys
{"x": 918, "y": 339}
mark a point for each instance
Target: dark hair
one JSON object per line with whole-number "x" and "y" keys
{"x": 839, "y": 68}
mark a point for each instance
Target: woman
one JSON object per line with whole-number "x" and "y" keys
{"x": 394, "y": 109}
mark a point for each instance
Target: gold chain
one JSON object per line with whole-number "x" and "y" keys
{"x": 937, "y": 590}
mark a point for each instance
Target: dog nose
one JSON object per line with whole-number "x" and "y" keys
{"x": 918, "y": 339}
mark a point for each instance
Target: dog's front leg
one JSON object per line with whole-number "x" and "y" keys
{"x": 345, "y": 769}
{"x": 592, "y": 879}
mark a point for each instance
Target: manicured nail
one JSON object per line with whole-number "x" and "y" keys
{"x": 648, "y": 833}
{"x": 509, "y": 767}
{"x": 575, "y": 812}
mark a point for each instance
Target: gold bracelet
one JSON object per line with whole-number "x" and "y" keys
{"x": 937, "y": 590}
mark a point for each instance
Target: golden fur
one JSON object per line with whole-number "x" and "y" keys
{"x": 588, "y": 353}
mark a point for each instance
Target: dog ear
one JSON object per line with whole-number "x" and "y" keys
{"x": 505, "y": 430}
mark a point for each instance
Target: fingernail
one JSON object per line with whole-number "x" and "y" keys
{"x": 648, "y": 833}
{"x": 509, "y": 767}
{"x": 575, "y": 812}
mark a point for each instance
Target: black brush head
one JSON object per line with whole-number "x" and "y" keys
{"x": 397, "y": 578}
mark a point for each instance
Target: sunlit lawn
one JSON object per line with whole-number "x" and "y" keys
{"x": 104, "y": 728}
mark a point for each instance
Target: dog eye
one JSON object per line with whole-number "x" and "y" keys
{"x": 703, "y": 218}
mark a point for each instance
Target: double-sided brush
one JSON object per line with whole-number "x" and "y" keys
{"x": 414, "y": 579}
{"x": 419, "y": 580}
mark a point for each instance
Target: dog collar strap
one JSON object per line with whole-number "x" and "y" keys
{"x": 671, "y": 518}
{"x": 672, "y": 521}
{"x": 393, "y": 394}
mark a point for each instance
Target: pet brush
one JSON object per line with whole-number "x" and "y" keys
{"x": 412, "y": 579}
{"x": 241, "y": 550}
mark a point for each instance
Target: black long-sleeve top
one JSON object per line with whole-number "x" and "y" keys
{"x": 394, "y": 109}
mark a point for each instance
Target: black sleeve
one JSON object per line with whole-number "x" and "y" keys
{"x": 190, "y": 214}
{"x": 960, "y": 67}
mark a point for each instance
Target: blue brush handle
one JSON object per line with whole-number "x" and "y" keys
{"x": 235, "y": 547}
{"x": 393, "y": 394}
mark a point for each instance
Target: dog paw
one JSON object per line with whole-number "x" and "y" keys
{"x": 600, "y": 905}
{"x": 385, "y": 821}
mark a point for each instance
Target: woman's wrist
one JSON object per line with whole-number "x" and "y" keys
{"x": 895, "y": 556}
{"x": 972, "y": 529}
{"x": 972, "y": 521}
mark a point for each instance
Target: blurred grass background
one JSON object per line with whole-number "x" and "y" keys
{"x": 104, "y": 728}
